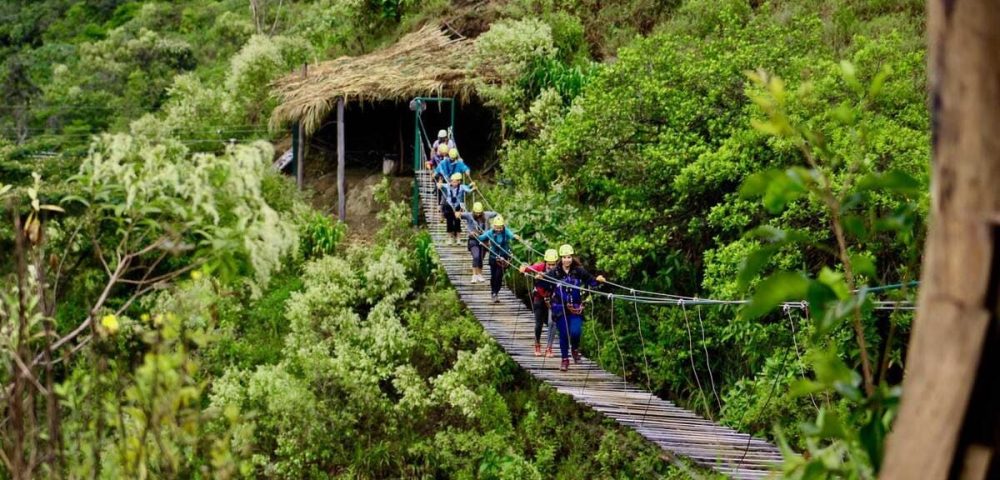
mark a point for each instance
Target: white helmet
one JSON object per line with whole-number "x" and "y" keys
{"x": 442, "y": 134}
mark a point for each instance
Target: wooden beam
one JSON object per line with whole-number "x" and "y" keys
{"x": 300, "y": 162}
{"x": 299, "y": 145}
{"x": 948, "y": 417}
{"x": 341, "y": 197}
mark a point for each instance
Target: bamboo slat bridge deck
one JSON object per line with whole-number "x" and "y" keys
{"x": 678, "y": 431}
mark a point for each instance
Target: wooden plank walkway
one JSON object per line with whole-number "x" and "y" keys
{"x": 678, "y": 431}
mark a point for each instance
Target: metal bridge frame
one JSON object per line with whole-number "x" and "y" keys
{"x": 418, "y": 105}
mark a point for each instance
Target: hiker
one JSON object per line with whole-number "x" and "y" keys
{"x": 476, "y": 224}
{"x": 540, "y": 300}
{"x": 565, "y": 282}
{"x": 443, "y": 140}
{"x": 451, "y": 166}
{"x": 438, "y": 155}
{"x": 453, "y": 202}
{"x": 443, "y": 173}
{"x": 499, "y": 237}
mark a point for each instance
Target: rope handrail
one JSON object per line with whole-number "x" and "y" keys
{"x": 656, "y": 298}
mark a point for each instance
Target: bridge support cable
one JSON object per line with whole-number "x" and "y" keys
{"x": 708, "y": 362}
{"x": 694, "y": 370}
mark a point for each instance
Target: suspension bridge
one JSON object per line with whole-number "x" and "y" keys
{"x": 677, "y": 431}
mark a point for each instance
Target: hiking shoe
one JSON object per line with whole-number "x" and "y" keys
{"x": 496, "y": 298}
{"x": 549, "y": 353}
{"x": 576, "y": 356}
{"x": 564, "y": 365}
{"x": 538, "y": 350}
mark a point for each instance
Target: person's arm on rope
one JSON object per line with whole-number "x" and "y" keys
{"x": 534, "y": 268}
{"x": 588, "y": 279}
{"x": 467, "y": 217}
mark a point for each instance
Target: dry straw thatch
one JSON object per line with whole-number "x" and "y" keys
{"x": 424, "y": 63}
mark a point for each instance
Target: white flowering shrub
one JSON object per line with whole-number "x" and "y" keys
{"x": 386, "y": 277}
{"x": 251, "y": 71}
{"x": 209, "y": 206}
{"x": 192, "y": 110}
{"x": 504, "y": 54}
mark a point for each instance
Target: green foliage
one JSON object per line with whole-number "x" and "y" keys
{"x": 211, "y": 205}
{"x": 853, "y": 449}
{"x": 257, "y": 64}
{"x": 643, "y": 173}
{"x": 506, "y": 53}
{"x": 320, "y": 235}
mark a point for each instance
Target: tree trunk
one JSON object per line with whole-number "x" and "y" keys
{"x": 948, "y": 420}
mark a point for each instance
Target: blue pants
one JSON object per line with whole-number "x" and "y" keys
{"x": 570, "y": 326}
{"x": 477, "y": 250}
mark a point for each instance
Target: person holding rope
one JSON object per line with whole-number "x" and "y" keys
{"x": 476, "y": 224}
{"x": 440, "y": 149}
{"x": 438, "y": 155}
{"x": 540, "y": 300}
{"x": 499, "y": 238}
{"x": 453, "y": 202}
{"x": 565, "y": 282}
{"x": 454, "y": 164}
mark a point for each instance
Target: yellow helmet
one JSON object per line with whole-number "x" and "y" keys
{"x": 551, "y": 255}
{"x": 498, "y": 221}
{"x": 477, "y": 207}
{"x": 443, "y": 149}
{"x": 566, "y": 250}
{"x": 456, "y": 176}
{"x": 453, "y": 153}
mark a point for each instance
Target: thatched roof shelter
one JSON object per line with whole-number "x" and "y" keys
{"x": 424, "y": 63}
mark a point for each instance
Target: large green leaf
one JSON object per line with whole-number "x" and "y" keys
{"x": 774, "y": 290}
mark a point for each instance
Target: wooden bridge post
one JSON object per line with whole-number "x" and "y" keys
{"x": 949, "y": 420}
{"x": 298, "y": 144}
{"x": 341, "y": 193}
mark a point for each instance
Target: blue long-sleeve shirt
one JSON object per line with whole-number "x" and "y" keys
{"x": 436, "y": 158}
{"x": 446, "y": 168}
{"x": 499, "y": 242}
{"x": 455, "y": 196}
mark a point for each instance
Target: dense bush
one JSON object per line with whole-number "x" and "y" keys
{"x": 643, "y": 172}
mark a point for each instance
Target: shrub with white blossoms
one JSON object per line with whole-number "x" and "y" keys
{"x": 209, "y": 205}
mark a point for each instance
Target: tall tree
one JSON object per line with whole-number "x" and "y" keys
{"x": 949, "y": 421}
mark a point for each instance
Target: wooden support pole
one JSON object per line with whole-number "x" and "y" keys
{"x": 300, "y": 162}
{"x": 341, "y": 197}
{"x": 948, "y": 420}
{"x": 299, "y": 143}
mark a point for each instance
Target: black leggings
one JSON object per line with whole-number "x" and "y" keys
{"x": 496, "y": 275}
{"x": 541, "y": 311}
{"x": 454, "y": 224}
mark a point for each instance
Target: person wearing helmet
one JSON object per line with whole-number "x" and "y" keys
{"x": 452, "y": 165}
{"x": 499, "y": 238}
{"x": 477, "y": 222}
{"x": 443, "y": 139}
{"x": 438, "y": 155}
{"x": 566, "y": 281}
{"x": 452, "y": 202}
{"x": 540, "y": 300}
